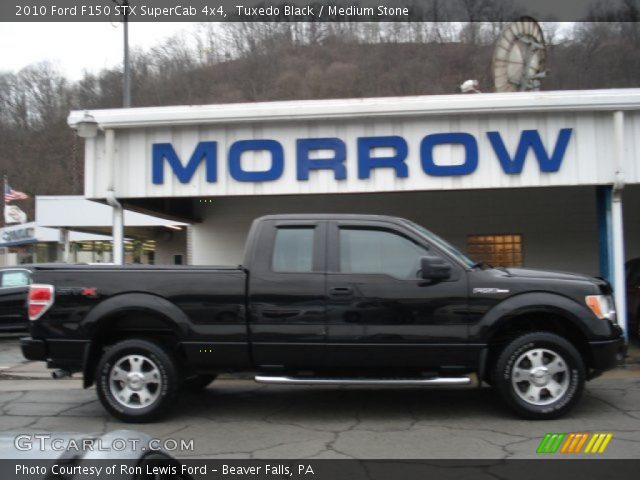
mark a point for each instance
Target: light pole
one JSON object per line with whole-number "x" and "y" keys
{"x": 126, "y": 82}
{"x": 87, "y": 128}
{"x": 117, "y": 232}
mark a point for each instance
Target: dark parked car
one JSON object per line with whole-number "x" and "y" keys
{"x": 632, "y": 271}
{"x": 14, "y": 285}
{"x": 326, "y": 299}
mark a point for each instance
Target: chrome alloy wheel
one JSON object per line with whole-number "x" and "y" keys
{"x": 540, "y": 376}
{"x": 135, "y": 381}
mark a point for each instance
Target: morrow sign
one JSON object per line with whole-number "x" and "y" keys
{"x": 549, "y": 157}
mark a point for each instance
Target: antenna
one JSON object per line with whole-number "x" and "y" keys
{"x": 519, "y": 57}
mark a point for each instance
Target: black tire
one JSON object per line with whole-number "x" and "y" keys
{"x": 162, "y": 392}
{"x": 197, "y": 383}
{"x": 548, "y": 395}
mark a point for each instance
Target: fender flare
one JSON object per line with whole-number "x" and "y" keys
{"x": 96, "y": 320}
{"x": 541, "y": 302}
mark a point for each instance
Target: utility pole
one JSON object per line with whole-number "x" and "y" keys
{"x": 126, "y": 77}
{"x": 117, "y": 232}
{"x": 126, "y": 96}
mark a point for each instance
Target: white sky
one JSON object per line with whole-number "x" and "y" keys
{"x": 76, "y": 47}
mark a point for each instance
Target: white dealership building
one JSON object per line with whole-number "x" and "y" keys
{"x": 538, "y": 179}
{"x": 69, "y": 228}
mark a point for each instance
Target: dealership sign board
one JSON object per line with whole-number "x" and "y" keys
{"x": 206, "y": 153}
{"x": 17, "y": 235}
{"x": 540, "y": 139}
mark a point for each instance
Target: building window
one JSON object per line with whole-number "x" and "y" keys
{"x": 504, "y": 250}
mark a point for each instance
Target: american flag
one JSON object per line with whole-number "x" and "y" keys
{"x": 11, "y": 194}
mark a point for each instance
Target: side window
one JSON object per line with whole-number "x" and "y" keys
{"x": 379, "y": 251}
{"x": 293, "y": 250}
{"x": 15, "y": 279}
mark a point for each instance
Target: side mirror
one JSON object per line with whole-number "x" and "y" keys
{"x": 434, "y": 268}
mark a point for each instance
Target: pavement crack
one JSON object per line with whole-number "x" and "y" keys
{"x": 614, "y": 406}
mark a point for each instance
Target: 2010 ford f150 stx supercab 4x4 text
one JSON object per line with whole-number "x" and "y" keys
{"x": 325, "y": 299}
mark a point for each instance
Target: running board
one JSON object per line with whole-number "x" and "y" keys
{"x": 435, "y": 381}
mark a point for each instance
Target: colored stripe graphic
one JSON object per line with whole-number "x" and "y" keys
{"x": 551, "y": 442}
{"x": 572, "y": 443}
{"x": 598, "y": 443}
{"x": 568, "y": 444}
{"x": 581, "y": 443}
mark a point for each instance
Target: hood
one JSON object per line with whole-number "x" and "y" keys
{"x": 555, "y": 275}
{"x": 552, "y": 274}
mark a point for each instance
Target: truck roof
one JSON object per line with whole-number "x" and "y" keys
{"x": 331, "y": 216}
{"x": 130, "y": 266}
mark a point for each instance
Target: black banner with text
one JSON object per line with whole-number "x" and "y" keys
{"x": 316, "y": 10}
{"x": 154, "y": 467}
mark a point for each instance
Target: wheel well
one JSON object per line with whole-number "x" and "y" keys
{"x": 131, "y": 324}
{"x": 536, "y": 322}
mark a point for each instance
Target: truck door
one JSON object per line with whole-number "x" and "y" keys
{"x": 380, "y": 313}
{"x": 287, "y": 283}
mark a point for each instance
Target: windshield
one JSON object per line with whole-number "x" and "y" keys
{"x": 443, "y": 244}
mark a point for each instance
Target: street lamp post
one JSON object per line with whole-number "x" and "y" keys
{"x": 117, "y": 207}
{"x": 88, "y": 128}
{"x": 126, "y": 95}
{"x": 126, "y": 81}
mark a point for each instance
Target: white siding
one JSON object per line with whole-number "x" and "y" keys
{"x": 588, "y": 159}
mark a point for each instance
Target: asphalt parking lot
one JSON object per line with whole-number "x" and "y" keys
{"x": 240, "y": 419}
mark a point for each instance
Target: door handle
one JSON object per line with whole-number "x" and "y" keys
{"x": 341, "y": 291}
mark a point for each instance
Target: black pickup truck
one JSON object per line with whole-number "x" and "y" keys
{"x": 325, "y": 299}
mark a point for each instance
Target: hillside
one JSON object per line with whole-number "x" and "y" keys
{"x": 35, "y": 102}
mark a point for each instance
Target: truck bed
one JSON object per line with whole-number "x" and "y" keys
{"x": 202, "y": 306}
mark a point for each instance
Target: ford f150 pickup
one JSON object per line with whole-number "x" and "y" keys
{"x": 325, "y": 299}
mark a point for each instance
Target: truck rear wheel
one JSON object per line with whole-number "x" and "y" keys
{"x": 540, "y": 375}
{"x": 136, "y": 380}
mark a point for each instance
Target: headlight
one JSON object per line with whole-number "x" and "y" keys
{"x": 602, "y": 306}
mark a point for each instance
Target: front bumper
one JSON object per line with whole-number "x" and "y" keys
{"x": 33, "y": 349}
{"x": 607, "y": 354}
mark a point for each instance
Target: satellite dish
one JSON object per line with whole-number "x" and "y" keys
{"x": 519, "y": 57}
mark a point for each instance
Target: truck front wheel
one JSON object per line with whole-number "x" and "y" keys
{"x": 136, "y": 380}
{"x": 540, "y": 375}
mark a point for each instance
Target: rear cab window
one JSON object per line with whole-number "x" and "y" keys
{"x": 293, "y": 250}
